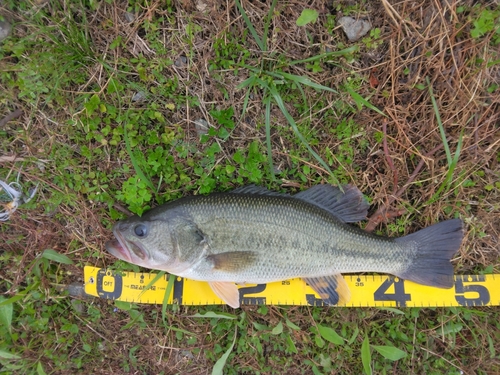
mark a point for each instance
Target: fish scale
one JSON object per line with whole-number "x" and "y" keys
{"x": 253, "y": 235}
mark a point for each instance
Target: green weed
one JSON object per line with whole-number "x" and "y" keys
{"x": 269, "y": 76}
{"x": 452, "y": 160}
{"x": 373, "y": 39}
{"x": 487, "y": 21}
{"x": 307, "y": 16}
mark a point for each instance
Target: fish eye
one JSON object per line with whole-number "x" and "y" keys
{"x": 140, "y": 230}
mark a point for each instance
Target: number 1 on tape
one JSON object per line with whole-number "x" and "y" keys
{"x": 366, "y": 291}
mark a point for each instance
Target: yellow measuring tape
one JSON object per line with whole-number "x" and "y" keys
{"x": 366, "y": 291}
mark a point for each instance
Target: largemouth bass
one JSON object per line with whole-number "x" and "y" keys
{"x": 253, "y": 235}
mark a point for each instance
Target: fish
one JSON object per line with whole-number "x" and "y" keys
{"x": 252, "y": 235}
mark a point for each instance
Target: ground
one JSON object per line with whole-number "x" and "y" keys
{"x": 112, "y": 107}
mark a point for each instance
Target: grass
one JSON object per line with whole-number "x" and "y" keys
{"x": 270, "y": 76}
{"x": 99, "y": 112}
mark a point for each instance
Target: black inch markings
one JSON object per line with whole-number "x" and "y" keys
{"x": 366, "y": 291}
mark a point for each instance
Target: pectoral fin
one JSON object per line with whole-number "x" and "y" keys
{"x": 333, "y": 289}
{"x": 228, "y": 292}
{"x": 232, "y": 261}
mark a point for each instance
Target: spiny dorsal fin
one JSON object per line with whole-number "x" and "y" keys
{"x": 332, "y": 289}
{"x": 349, "y": 206}
{"x": 257, "y": 190}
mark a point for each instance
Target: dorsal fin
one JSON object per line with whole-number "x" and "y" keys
{"x": 257, "y": 190}
{"x": 349, "y": 206}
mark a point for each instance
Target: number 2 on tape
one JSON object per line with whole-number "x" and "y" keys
{"x": 244, "y": 299}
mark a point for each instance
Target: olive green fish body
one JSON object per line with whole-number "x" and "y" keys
{"x": 253, "y": 235}
{"x": 286, "y": 238}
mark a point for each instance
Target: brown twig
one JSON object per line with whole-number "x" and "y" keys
{"x": 10, "y": 116}
{"x": 7, "y": 158}
{"x": 383, "y": 213}
{"x": 122, "y": 209}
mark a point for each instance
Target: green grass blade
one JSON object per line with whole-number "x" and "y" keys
{"x": 6, "y": 313}
{"x": 266, "y": 24}
{"x": 13, "y": 299}
{"x": 6, "y": 355}
{"x": 123, "y": 305}
{"x": 250, "y": 26}
{"x": 253, "y": 69}
{"x": 360, "y": 101}
{"x": 152, "y": 282}
{"x": 291, "y": 121}
{"x": 449, "y": 174}
{"x": 267, "y": 121}
{"x": 267, "y": 102}
{"x": 250, "y": 81}
{"x": 305, "y": 81}
{"x": 213, "y": 314}
{"x": 390, "y": 352}
{"x": 281, "y": 76}
{"x": 440, "y": 123}
{"x": 53, "y": 255}
{"x": 342, "y": 52}
{"x": 168, "y": 291}
{"x": 330, "y": 335}
{"x": 39, "y": 369}
{"x": 221, "y": 362}
{"x": 299, "y": 86}
{"x": 366, "y": 357}
{"x": 137, "y": 168}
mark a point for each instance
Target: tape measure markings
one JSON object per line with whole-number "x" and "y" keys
{"x": 366, "y": 291}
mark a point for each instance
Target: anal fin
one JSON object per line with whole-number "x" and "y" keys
{"x": 332, "y": 289}
{"x": 228, "y": 292}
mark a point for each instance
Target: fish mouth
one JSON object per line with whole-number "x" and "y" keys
{"x": 123, "y": 249}
{"x": 114, "y": 247}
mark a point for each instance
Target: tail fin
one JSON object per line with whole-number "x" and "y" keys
{"x": 433, "y": 249}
